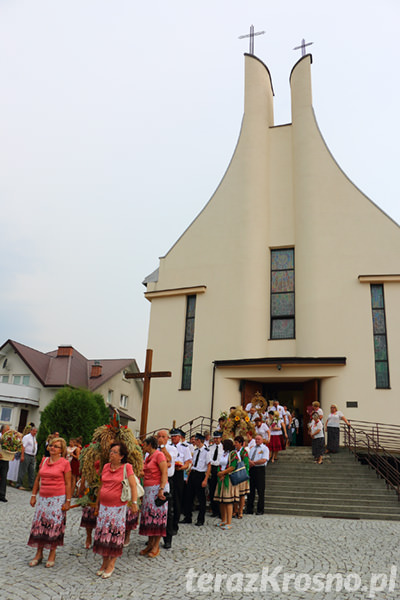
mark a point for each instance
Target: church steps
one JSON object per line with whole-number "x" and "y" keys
{"x": 341, "y": 487}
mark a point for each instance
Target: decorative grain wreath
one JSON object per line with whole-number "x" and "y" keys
{"x": 259, "y": 401}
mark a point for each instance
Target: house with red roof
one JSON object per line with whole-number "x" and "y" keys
{"x": 29, "y": 380}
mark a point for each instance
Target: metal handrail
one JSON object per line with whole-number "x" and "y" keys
{"x": 365, "y": 443}
{"x": 197, "y": 425}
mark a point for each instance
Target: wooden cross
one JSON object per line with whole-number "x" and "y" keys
{"x": 302, "y": 46}
{"x": 251, "y": 36}
{"x": 146, "y": 376}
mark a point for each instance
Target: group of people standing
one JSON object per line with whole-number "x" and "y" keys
{"x": 317, "y": 430}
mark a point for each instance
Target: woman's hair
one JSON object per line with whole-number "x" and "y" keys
{"x": 316, "y": 404}
{"x": 227, "y": 445}
{"x": 63, "y": 445}
{"x": 334, "y": 406}
{"x": 151, "y": 441}
{"x": 123, "y": 450}
{"x": 315, "y": 414}
{"x": 240, "y": 439}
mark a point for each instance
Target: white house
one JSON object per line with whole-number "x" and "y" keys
{"x": 29, "y": 379}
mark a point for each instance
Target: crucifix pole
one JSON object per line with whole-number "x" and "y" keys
{"x": 146, "y": 376}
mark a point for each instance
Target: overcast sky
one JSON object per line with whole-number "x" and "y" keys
{"x": 118, "y": 120}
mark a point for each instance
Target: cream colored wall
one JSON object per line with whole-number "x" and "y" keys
{"x": 282, "y": 188}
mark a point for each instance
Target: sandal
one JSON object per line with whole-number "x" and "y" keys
{"x": 220, "y": 524}
{"x": 145, "y": 551}
{"x": 226, "y": 527}
{"x": 35, "y": 562}
{"x": 154, "y": 554}
{"x": 49, "y": 564}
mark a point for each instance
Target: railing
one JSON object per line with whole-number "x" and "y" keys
{"x": 365, "y": 440}
{"x": 197, "y": 425}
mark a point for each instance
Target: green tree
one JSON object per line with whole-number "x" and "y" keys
{"x": 73, "y": 413}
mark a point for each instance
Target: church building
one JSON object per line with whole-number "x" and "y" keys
{"x": 286, "y": 283}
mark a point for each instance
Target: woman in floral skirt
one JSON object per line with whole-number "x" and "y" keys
{"x": 53, "y": 482}
{"x": 153, "y": 518}
{"x": 109, "y": 534}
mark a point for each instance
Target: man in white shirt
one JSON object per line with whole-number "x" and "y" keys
{"x": 171, "y": 455}
{"x": 258, "y": 458}
{"x": 182, "y": 463}
{"x": 197, "y": 481}
{"x": 27, "y": 462}
{"x": 216, "y": 451}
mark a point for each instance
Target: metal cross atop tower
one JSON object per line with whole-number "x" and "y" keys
{"x": 302, "y": 47}
{"x": 251, "y": 36}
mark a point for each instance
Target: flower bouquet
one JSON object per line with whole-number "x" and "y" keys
{"x": 10, "y": 444}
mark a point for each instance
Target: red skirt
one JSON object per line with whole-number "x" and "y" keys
{"x": 276, "y": 443}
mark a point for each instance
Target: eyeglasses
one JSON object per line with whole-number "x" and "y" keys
{"x": 114, "y": 451}
{"x": 58, "y": 447}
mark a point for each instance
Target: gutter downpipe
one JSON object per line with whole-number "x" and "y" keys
{"x": 212, "y": 396}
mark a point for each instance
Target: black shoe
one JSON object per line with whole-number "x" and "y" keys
{"x": 199, "y": 524}
{"x": 215, "y": 515}
{"x": 249, "y": 512}
{"x": 3, "y": 500}
{"x": 187, "y": 521}
{"x": 167, "y": 545}
{"x": 175, "y": 531}
{"x": 260, "y": 512}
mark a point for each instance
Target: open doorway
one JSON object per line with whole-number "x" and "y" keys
{"x": 296, "y": 395}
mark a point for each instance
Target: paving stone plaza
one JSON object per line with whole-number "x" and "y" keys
{"x": 278, "y": 557}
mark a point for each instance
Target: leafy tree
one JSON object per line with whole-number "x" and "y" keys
{"x": 73, "y": 413}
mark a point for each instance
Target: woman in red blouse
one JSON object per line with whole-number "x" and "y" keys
{"x": 153, "y": 517}
{"x": 53, "y": 482}
{"x": 109, "y": 534}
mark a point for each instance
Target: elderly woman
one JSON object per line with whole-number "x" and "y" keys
{"x": 243, "y": 488}
{"x": 53, "y": 482}
{"x": 225, "y": 492}
{"x": 317, "y": 438}
{"x": 332, "y": 427}
{"x": 109, "y": 534}
{"x": 153, "y": 517}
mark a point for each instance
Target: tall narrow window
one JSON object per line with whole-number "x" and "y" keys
{"x": 282, "y": 294}
{"x": 188, "y": 345}
{"x": 380, "y": 339}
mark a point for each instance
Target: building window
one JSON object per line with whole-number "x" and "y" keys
{"x": 282, "y": 294}
{"x": 5, "y": 414}
{"x": 110, "y": 394}
{"x": 380, "y": 339}
{"x": 21, "y": 379}
{"x": 188, "y": 344}
{"x": 3, "y": 378}
{"x": 123, "y": 401}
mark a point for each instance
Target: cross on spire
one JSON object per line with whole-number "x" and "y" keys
{"x": 251, "y": 36}
{"x": 302, "y": 46}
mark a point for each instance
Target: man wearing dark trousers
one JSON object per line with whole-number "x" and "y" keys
{"x": 216, "y": 451}
{"x": 197, "y": 482}
{"x": 182, "y": 463}
{"x": 258, "y": 458}
{"x": 170, "y": 453}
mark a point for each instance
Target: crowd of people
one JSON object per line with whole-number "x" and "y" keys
{"x": 228, "y": 473}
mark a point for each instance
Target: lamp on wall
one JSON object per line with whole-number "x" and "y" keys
{"x": 279, "y": 367}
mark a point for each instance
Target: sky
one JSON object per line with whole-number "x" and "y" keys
{"x": 118, "y": 120}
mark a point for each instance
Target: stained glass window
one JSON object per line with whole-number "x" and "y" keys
{"x": 188, "y": 343}
{"x": 282, "y": 294}
{"x": 380, "y": 337}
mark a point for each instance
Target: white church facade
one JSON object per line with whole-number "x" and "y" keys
{"x": 286, "y": 283}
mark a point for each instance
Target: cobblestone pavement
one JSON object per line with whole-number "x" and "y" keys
{"x": 295, "y": 555}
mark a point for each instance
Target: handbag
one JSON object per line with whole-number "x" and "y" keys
{"x": 239, "y": 474}
{"x": 126, "y": 494}
{"x": 139, "y": 487}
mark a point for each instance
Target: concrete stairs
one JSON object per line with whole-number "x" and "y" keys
{"x": 339, "y": 488}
